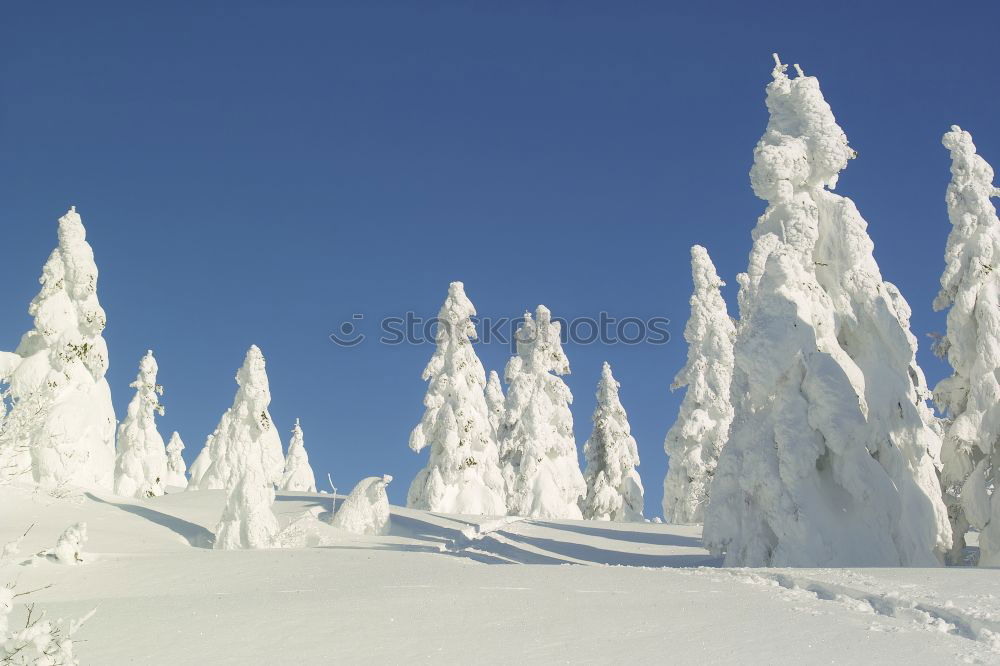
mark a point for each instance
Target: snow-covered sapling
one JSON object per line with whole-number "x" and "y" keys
{"x": 463, "y": 469}
{"x": 61, "y": 403}
{"x": 695, "y": 440}
{"x": 298, "y": 473}
{"x": 69, "y": 546}
{"x": 614, "y": 490}
{"x": 141, "y": 464}
{"x": 176, "y": 467}
{"x": 248, "y": 520}
{"x": 537, "y": 446}
{"x": 366, "y": 509}
{"x": 830, "y": 460}
{"x": 970, "y": 289}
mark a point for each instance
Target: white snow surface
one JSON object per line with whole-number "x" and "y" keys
{"x": 624, "y": 593}
{"x": 141, "y": 460}
{"x": 62, "y": 423}
{"x": 970, "y": 287}
{"x": 537, "y": 445}
{"x": 614, "y": 489}
{"x": 830, "y": 460}
{"x": 696, "y": 438}
{"x": 462, "y": 474}
{"x": 298, "y": 473}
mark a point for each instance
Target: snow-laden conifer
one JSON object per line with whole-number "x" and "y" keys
{"x": 176, "y": 467}
{"x": 695, "y": 440}
{"x": 248, "y": 520}
{"x": 463, "y": 470}
{"x": 201, "y": 464}
{"x": 141, "y": 463}
{"x": 830, "y": 461}
{"x": 246, "y": 435}
{"x": 61, "y": 404}
{"x": 614, "y": 489}
{"x": 494, "y": 403}
{"x": 298, "y": 473}
{"x": 366, "y": 509}
{"x": 538, "y": 449}
{"x": 970, "y": 288}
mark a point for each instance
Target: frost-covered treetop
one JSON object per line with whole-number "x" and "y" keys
{"x": 252, "y": 380}
{"x": 539, "y": 345}
{"x": 709, "y": 329}
{"x": 455, "y": 329}
{"x": 803, "y": 146}
{"x": 147, "y": 400}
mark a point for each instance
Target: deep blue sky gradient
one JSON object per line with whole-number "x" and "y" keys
{"x": 259, "y": 172}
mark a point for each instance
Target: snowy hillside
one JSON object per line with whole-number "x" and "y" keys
{"x": 459, "y": 589}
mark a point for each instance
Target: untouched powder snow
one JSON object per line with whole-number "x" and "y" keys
{"x": 537, "y": 446}
{"x": 298, "y": 473}
{"x": 246, "y": 435}
{"x": 141, "y": 463}
{"x": 695, "y": 441}
{"x": 970, "y": 287}
{"x": 548, "y": 591}
{"x": 62, "y": 423}
{"x": 830, "y": 460}
{"x": 614, "y": 489}
{"x": 463, "y": 470}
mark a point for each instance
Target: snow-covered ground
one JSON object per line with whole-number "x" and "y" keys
{"x": 452, "y": 589}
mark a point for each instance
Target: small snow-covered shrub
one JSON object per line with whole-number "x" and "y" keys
{"x": 69, "y": 547}
{"x": 366, "y": 509}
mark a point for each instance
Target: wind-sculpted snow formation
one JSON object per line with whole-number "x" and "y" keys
{"x": 830, "y": 460}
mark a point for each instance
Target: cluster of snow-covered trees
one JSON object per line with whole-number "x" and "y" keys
{"x": 517, "y": 455}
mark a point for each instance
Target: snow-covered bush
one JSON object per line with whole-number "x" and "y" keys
{"x": 298, "y": 473}
{"x": 246, "y": 435}
{"x": 830, "y": 460}
{"x": 366, "y": 509}
{"x": 69, "y": 546}
{"x": 614, "y": 490}
{"x": 537, "y": 447}
{"x": 141, "y": 463}
{"x": 201, "y": 464}
{"x": 697, "y": 436}
{"x": 61, "y": 403}
{"x": 248, "y": 520}
{"x": 463, "y": 470}
{"x": 970, "y": 287}
{"x": 176, "y": 467}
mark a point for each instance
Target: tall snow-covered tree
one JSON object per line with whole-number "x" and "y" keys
{"x": 61, "y": 410}
{"x": 494, "y": 403}
{"x": 614, "y": 489}
{"x": 141, "y": 464}
{"x": 537, "y": 446}
{"x": 970, "y": 287}
{"x": 463, "y": 470}
{"x": 246, "y": 435}
{"x": 695, "y": 441}
{"x": 176, "y": 467}
{"x": 248, "y": 520}
{"x": 298, "y": 473}
{"x": 830, "y": 460}
{"x": 201, "y": 465}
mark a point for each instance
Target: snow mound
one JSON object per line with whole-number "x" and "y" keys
{"x": 366, "y": 509}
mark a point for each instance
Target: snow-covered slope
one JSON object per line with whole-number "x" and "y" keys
{"x": 456, "y": 589}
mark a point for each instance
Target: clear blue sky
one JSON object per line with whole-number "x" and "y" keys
{"x": 258, "y": 172}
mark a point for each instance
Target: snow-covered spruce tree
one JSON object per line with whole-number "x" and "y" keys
{"x": 830, "y": 459}
{"x": 463, "y": 470}
{"x": 970, "y": 287}
{"x": 494, "y": 403}
{"x": 141, "y": 463}
{"x": 298, "y": 473}
{"x": 61, "y": 403}
{"x": 695, "y": 440}
{"x": 366, "y": 509}
{"x": 201, "y": 465}
{"x": 614, "y": 490}
{"x": 248, "y": 521}
{"x": 176, "y": 467}
{"x": 537, "y": 447}
{"x": 246, "y": 436}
